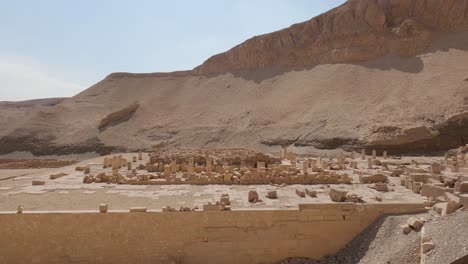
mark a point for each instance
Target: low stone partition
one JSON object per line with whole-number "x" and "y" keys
{"x": 246, "y": 236}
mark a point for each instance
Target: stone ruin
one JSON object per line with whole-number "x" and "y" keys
{"x": 241, "y": 169}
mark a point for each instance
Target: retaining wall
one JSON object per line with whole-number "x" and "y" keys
{"x": 248, "y": 236}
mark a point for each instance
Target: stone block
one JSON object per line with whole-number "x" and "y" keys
{"x": 272, "y": 195}
{"x": 453, "y": 202}
{"x": 380, "y": 186}
{"x": 373, "y": 178}
{"x": 440, "y": 208}
{"x": 406, "y": 229}
{"x": 418, "y": 177}
{"x": 338, "y": 195}
{"x": 463, "y": 187}
{"x": 311, "y": 193}
{"x": 464, "y": 200}
{"x": 37, "y": 182}
{"x": 417, "y": 187}
{"x": 415, "y": 223}
{"x": 56, "y": 176}
{"x": 436, "y": 168}
{"x": 103, "y": 208}
{"x": 432, "y": 191}
{"x": 253, "y": 196}
{"x": 138, "y": 210}
{"x": 428, "y": 246}
{"x": 300, "y": 193}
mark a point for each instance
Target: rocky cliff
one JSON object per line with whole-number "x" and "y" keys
{"x": 380, "y": 74}
{"x": 359, "y": 30}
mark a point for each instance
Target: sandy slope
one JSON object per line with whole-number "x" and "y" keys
{"x": 324, "y": 106}
{"x": 260, "y": 95}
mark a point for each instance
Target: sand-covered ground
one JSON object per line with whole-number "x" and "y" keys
{"x": 69, "y": 192}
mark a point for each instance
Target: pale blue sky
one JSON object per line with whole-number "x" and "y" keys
{"x": 55, "y": 48}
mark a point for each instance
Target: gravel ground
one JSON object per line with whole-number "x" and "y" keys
{"x": 450, "y": 237}
{"x": 381, "y": 243}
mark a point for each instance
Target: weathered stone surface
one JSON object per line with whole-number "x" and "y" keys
{"x": 300, "y": 193}
{"x": 432, "y": 191}
{"x": 463, "y": 187}
{"x": 428, "y": 246}
{"x": 406, "y": 229}
{"x": 138, "y": 209}
{"x": 453, "y": 202}
{"x": 440, "y": 208}
{"x": 415, "y": 223}
{"x": 373, "y": 178}
{"x": 338, "y": 195}
{"x": 253, "y": 196}
{"x": 37, "y": 182}
{"x": 404, "y": 27}
{"x": 464, "y": 200}
{"x": 272, "y": 195}
{"x": 103, "y": 208}
{"x": 311, "y": 193}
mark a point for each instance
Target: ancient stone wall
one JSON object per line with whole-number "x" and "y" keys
{"x": 249, "y": 236}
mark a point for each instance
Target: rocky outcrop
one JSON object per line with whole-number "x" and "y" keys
{"x": 358, "y": 30}
{"x": 348, "y": 78}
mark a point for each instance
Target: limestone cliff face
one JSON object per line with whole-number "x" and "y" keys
{"x": 358, "y": 30}
{"x": 414, "y": 101}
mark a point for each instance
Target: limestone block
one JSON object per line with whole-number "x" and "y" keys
{"x": 56, "y": 176}
{"x": 311, "y": 193}
{"x": 464, "y": 200}
{"x": 413, "y": 169}
{"x": 167, "y": 170}
{"x": 432, "y": 191}
{"x": 224, "y": 200}
{"x": 418, "y": 177}
{"x": 374, "y": 154}
{"x": 272, "y": 195}
{"x": 417, "y": 187}
{"x": 453, "y": 202}
{"x": 337, "y": 195}
{"x": 436, "y": 168}
{"x": 103, "y": 208}
{"x": 300, "y": 193}
{"x": 138, "y": 210}
{"x": 380, "y": 186}
{"x": 37, "y": 182}
{"x": 396, "y": 172}
{"x": 406, "y": 229}
{"x": 373, "y": 178}
{"x": 253, "y": 196}
{"x": 86, "y": 179}
{"x": 428, "y": 246}
{"x": 463, "y": 187}
{"x": 415, "y": 223}
{"x": 440, "y": 208}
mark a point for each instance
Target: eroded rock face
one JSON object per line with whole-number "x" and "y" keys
{"x": 358, "y": 30}
{"x": 282, "y": 89}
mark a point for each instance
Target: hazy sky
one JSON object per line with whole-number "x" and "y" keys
{"x": 55, "y": 48}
